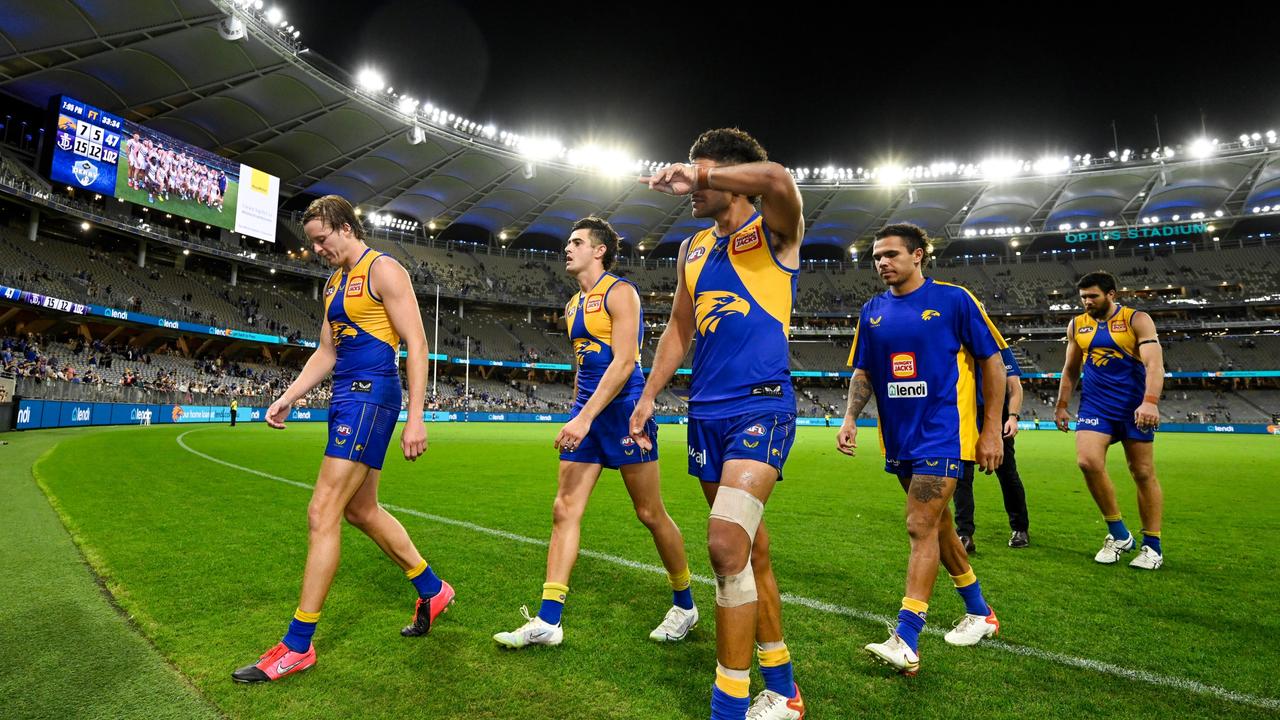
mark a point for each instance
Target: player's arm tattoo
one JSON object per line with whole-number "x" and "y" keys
{"x": 926, "y": 487}
{"x": 859, "y": 394}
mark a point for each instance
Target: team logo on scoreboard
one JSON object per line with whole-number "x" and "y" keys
{"x": 712, "y": 307}
{"x": 695, "y": 253}
{"x": 85, "y": 171}
{"x": 746, "y": 241}
{"x": 64, "y": 141}
{"x": 903, "y": 364}
{"x": 594, "y": 303}
{"x": 355, "y": 286}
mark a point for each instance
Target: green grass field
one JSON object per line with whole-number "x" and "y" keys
{"x": 205, "y": 560}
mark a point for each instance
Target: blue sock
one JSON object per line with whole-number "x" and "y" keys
{"x": 974, "y": 603}
{"x": 1153, "y": 541}
{"x": 298, "y": 639}
{"x": 551, "y": 611}
{"x": 910, "y": 625}
{"x": 682, "y": 598}
{"x": 727, "y": 707}
{"x": 776, "y": 668}
{"x": 1117, "y": 529}
{"x": 426, "y": 582}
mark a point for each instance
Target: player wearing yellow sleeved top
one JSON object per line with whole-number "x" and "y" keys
{"x": 918, "y": 348}
{"x": 1123, "y": 379}
{"x": 369, "y": 307}
{"x": 735, "y": 286}
{"x": 606, "y": 329}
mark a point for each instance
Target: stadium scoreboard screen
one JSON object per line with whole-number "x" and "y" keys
{"x": 87, "y": 146}
{"x": 109, "y": 155}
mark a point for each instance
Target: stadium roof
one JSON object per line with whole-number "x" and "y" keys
{"x": 269, "y": 103}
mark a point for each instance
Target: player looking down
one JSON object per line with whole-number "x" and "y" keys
{"x": 606, "y": 329}
{"x": 918, "y": 348}
{"x": 369, "y": 307}
{"x": 1123, "y": 378}
{"x": 735, "y": 287}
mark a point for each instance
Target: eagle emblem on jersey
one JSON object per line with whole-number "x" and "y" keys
{"x": 712, "y": 307}
{"x": 930, "y": 314}
{"x": 583, "y": 347}
{"x": 342, "y": 331}
{"x": 1099, "y": 357}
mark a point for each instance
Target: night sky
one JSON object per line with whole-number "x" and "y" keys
{"x": 816, "y": 86}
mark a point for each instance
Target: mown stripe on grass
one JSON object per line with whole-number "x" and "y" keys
{"x": 1192, "y": 686}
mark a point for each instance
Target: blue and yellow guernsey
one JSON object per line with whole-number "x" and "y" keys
{"x": 742, "y": 298}
{"x": 1114, "y": 377}
{"x": 368, "y": 348}
{"x": 921, "y": 351}
{"x": 591, "y": 332}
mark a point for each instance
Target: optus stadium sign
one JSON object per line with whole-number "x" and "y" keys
{"x": 1138, "y": 233}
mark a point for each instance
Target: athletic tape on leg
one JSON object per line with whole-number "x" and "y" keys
{"x": 743, "y": 509}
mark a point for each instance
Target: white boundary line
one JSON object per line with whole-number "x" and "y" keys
{"x": 1192, "y": 686}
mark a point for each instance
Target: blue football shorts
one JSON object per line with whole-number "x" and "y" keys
{"x": 764, "y": 437}
{"x": 609, "y": 442}
{"x": 360, "y": 431}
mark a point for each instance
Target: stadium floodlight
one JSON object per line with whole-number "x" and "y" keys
{"x": 890, "y": 174}
{"x": 275, "y": 15}
{"x": 407, "y": 104}
{"x": 1111, "y": 247}
{"x": 537, "y": 149}
{"x": 1217, "y": 213}
{"x": 371, "y": 80}
{"x": 1201, "y": 148}
{"x": 257, "y": 4}
{"x": 1176, "y": 217}
{"x": 1255, "y": 137}
{"x": 1014, "y": 243}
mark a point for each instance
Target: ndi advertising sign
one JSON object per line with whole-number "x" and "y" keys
{"x": 1138, "y": 233}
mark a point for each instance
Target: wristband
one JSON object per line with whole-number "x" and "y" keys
{"x": 1062, "y": 404}
{"x": 1013, "y": 415}
{"x": 1150, "y": 399}
{"x": 703, "y": 175}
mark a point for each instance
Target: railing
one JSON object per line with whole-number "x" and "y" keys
{"x": 63, "y": 390}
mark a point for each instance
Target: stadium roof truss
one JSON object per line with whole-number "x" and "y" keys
{"x": 265, "y": 103}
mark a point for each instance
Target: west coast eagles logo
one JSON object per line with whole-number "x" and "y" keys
{"x": 712, "y": 307}
{"x": 930, "y": 314}
{"x": 342, "y": 331}
{"x": 583, "y": 347}
{"x": 1101, "y": 356}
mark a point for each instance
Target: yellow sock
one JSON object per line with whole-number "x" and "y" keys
{"x": 734, "y": 683}
{"x": 774, "y": 656}
{"x": 306, "y": 617}
{"x": 555, "y": 592}
{"x": 964, "y": 580}
{"x": 681, "y": 580}
{"x": 417, "y": 570}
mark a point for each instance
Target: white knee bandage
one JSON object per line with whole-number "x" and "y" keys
{"x": 743, "y": 509}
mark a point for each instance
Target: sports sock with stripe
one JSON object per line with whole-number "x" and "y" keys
{"x": 681, "y": 591}
{"x": 911, "y": 621}
{"x": 553, "y": 598}
{"x": 301, "y": 628}
{"x": 1152, "y": 540}
{"x": 424, "y": 580}
{"x": 969, "y": 589}
{"x": 776, "y": 668}
{"x": 730, "y": 696}
{"x": 1115, "y": 526}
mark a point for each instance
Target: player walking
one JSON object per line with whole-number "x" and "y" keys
{"x": 1123, "y": 378}
{"x": 918, "y": 347}
{"x": 736, "y": 284}
{"x": 606, "y": 328}
{"x": 369, "y": 308}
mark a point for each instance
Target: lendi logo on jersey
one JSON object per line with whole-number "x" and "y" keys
{"x": 594, "y": 303}
{"x": 355, "y": 286}
{"x": 583, "y": 347}
{"x": 1101, "y": 356}
{"x": 712, "y": 307}
{"x": 903, "y": 364}
{"x": 917, "y": 389}
{"x": 875, "y": 321}
{"x": 1118, "y": 326}
{"x": 930, "y": 314}
{"x": 695, "y": 253}
{"x": 746, "y": 241}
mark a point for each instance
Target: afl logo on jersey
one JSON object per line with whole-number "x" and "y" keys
{"x": 746, "y": 242}
{"x": 755, "y": 430}
{"x": 330, "y": 290}
{"x": 1085, "y": 330}
{"x": 355, "y": 286}
{"x": 344, "y": 430}
{"x": 695, "y": 254}
{"x": 903, "y": 364}
{"x": 593, "y": 304}
{"x": 712, "y": 307}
